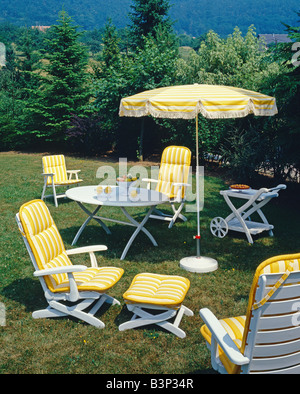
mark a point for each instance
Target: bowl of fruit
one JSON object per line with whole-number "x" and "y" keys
{"x": 125, "y": 182}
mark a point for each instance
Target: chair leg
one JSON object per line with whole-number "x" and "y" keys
{"x": 57, "y": 309}
{"x": 44, "y": 189}
{"x": 174, "y": 328}
{"x": 157, "y": 214}
{"x": 178, "y": 211}
{"x": 177, "y": 214}
{"x": 145, "y": 318}
{"x": 100, "y": 302}
{"x": 75, "y": 311}
{"x": 54, "y": 194}
{"x": 48, "y": 312}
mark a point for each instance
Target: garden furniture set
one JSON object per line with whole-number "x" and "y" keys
{"x": 266, "y": 339}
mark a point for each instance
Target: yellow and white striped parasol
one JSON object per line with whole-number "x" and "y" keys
{"x": 186, "y": 102}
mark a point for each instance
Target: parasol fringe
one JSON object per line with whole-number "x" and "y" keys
{"x": 136, "y": 114}
{"x": 199, "y": 109}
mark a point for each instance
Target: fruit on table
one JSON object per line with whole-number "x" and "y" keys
{"x": 127, "y": 178}
{"x": 107, "y": 190}
{"x": 133, "y": 194}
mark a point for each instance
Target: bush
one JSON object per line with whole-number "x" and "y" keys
{"x": 86, "y": 135}
{"x": 243, "y": 152}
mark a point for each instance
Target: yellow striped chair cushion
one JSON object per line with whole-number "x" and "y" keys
{"x": 44, "y": 239}
{"x": 280, "y": 265}
{"x": 155, "y": 289}
{"x": 49, "y": 252}
{"x": 175, "y": 163}
{"x": 277, "y": 264}
{"x": 68, "y": 182}
{"x": 235, "y": 328}
{"x": 55, "y": 164}
{"x": 94, "y": 279}
{"x": 53, "y": 281}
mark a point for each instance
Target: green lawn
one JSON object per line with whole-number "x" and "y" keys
{"x": 69, "y": 346}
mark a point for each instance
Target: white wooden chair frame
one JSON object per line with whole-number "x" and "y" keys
{"x": 178, "y": 200}
{"x": 240, "y": 219}
{"x": 141, "y": 317}
{"x": 54, "y": 185}
{"x": 273, "y": 341}
{"x": 81, "y": 300}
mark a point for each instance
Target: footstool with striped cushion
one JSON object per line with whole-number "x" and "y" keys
{"x": 154, "y": 292}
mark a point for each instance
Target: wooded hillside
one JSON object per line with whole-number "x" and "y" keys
{"x": 193, "y": 17}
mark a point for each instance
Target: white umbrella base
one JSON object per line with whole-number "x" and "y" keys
{"x": 199, "y": 264}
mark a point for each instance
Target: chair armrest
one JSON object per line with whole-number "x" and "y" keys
{"x": 220, "y": 335}
{"x": 88, "y": 249}
{"x": 149, "y": 180}
{"x": 48, "y": 173}
{"x": 69, "y": 269}
{"x": 60, "y": 270}
{"x": 73, "y": 172}
{"x": 181, "y": 184}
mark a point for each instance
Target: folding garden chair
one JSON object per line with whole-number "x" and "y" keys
{"x": 69, "y": 289}
{"x": 55, "y": 174}
{"x": 267, "y": 339}
{"x": 155, "y": 299}
{"x": 172, "y": 181}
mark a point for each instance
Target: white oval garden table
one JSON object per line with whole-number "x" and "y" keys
{"x": 117, "y": 198}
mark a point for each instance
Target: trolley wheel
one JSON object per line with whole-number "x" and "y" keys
{"x": 218, "y": 227}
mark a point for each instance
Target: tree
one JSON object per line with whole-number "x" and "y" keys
{"x": 234, "y": 60}
{"x": 111, "y": 40}
{"x": 28, "y": 61}
{"x": 149, "y": 67}
{"x": 285, "y": 141}
{"x": 93, "y": 40}
{"x": 294, "y": 74}
{"x": 147, "y": 15}
{"x": 10, "y": 104}
{"x": 63, "y": 90}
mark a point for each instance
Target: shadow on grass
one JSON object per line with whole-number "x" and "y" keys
{"x": 141, "y": 250}
{"x": 27, "y": 292}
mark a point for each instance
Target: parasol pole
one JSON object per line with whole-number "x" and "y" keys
{"x": 198, "y": 263}
{"x": 197, "y": 190}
